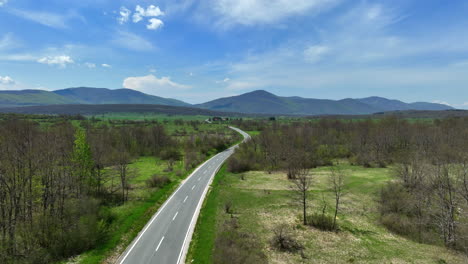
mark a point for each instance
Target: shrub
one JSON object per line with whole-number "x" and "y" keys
{"x": 158, "y": 181}
{"x": 236, "y": 247}
{"x": 321, "y": 221}
{"x": 284, "y": 241}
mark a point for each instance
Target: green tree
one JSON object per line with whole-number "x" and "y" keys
{"x": 82, "y": 162}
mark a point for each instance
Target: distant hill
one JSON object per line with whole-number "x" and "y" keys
{"x": 31, "y": 97}
{"x": 82, "y": 95}
{"x": 256, "y": 102}
{"x": 86, "y": 95}
{"x": 385, "y": 104}
{"x": 88, "y": 109}
{"x": 263, "y": 102}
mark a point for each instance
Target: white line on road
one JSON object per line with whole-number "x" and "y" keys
{"x": 199, "y": 179}
{"x": 185, "y": 199}
{"x": 173, "y": 218}
{"x": 159, "y": 244}
{"x": 193, "y": 187}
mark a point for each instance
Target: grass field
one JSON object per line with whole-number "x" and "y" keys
{"x": 262, "y": 201}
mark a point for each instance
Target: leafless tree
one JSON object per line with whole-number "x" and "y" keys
{"x": 301, "y": 185}
{"x": 337, "y": 184}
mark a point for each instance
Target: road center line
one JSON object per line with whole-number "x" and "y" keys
{"x": 199, "y": 179}
{"x": 173, "y": 218}
{"x": 193, "y": 187}
{"x": 185, "y": 199}
{"x": 159, "y": 244}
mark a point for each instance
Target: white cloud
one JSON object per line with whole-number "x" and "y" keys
{"x": 152, "y": 70}
{"x": 154, "y": 24}
{"x": 3, "y": 2}
{"x": 106, "y": 65}
{"x": 45, "y": 18}
{"x": 90, "y": 65}
{"x": 151, "y": 11}
{"x": 251, "y": 12}
{"x": 441, "y": 102}
{"x": 6, "y": 80}
{"x": 60, "y": 61}
{"x": 315, "y": 53}
{"x": 153, "y": 85}
{"x": 224, "y": 81}
{"x": 18, "y": 57}
{"x": 124, "y": 15}
{"x": 132, "y": 41}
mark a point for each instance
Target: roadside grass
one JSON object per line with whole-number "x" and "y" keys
{"x": 202, "y": 244}
{"x": 263, "y": 201}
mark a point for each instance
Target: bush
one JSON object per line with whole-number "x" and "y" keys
{"x": 284, "y": 241}
{"x": 321, "y": 221}
{"x": 237, "y": 165}
{"x": 235, "y": 247}
{"x": 158, "y": 181}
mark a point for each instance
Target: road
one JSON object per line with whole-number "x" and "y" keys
{"x": 166, "y": 237}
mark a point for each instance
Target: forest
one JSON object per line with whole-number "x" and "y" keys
{"x": 61, "y": 176}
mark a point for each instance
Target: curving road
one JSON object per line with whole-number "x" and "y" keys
{"x": 166, "y": 237}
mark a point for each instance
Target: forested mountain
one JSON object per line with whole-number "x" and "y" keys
{"x": 256, "y": 102}
{"x": 268, "y": 103}
{"x": 86, "y": 95}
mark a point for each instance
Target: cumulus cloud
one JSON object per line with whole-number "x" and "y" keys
{"x": 315, "y": 53}
{"x": 151, "y": 11}
{"x": 106, "y": 65}
{"x": 153, "y": 85}
{"x": 60, "y": 61}
{"x": 251, "y": 12}
{"x": 124, "y": 15}
{"x": 154, "y": 24}
{"x": 6, "y": 80}
{"x": 131, "y": 41}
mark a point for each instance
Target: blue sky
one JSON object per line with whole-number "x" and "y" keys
{"x": 195, "y": 51}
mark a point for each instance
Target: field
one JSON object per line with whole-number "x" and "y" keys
{"x": 263, "y": 201}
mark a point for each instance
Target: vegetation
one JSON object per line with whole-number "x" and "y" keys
{"x": 360, "y": 191}
{"x": 74, "y": 186}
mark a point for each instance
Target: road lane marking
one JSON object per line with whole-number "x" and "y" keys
{"x": 185, "y": 199}
{"x": 193, "y": 187}
{"x": 159, "y": 244}
{"x": 173, "y": 218}
{"x": 199, "y": 179}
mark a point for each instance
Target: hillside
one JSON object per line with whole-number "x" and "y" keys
{"x": 267, "y": 103}
{"x": 31, "y": 97}
{"x": 87, "y": 109}
{"x": 86, "y": 95}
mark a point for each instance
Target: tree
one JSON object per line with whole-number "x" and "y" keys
{"x": 83, "y": 161}
{"x": 337, "y": 181}
{"x": 301, "y": 185}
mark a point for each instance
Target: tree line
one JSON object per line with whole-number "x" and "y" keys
{"x": 427, "y": 201}
{"x": 57, "y": 180}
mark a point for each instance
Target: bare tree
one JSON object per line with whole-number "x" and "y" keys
{"x": 337, "y": 183}
{"x": 301, "y": 185}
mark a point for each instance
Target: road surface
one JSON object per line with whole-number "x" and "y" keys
{"x": 166, "y": 237}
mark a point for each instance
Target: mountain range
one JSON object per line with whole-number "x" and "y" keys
{"x": 256, "y": 102}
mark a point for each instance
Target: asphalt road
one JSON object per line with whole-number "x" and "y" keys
{"x": 166, "y": 237}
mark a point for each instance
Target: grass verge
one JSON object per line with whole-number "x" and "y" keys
{"x": 202, "y": 244}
